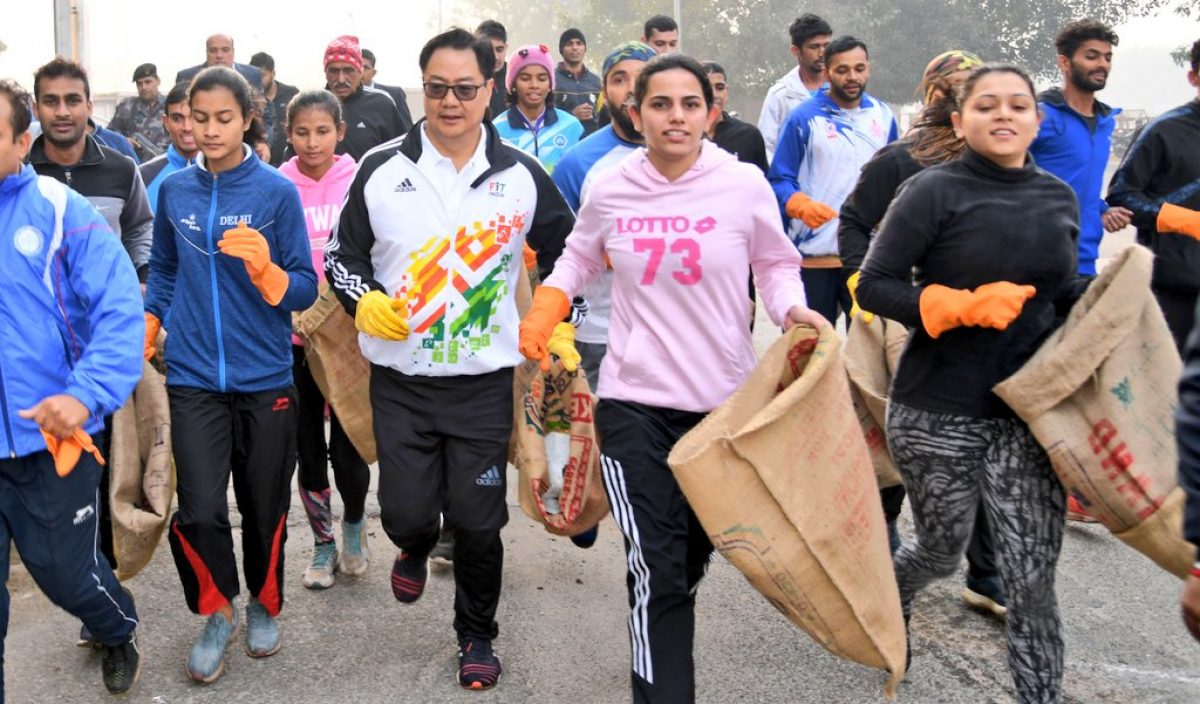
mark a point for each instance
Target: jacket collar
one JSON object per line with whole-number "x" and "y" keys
{"x": 583, "y": 73}
{"x": 248, "y": 166}
{"x": 1056, "y": 97}
{"x": 17, "y": 181}
{"x": 823, "y": 97}
{"x": 498, "y": 157}
{"x": 516, "y": 119}
{"x": 92, "y": 154}
{"x": 178, "y": 160}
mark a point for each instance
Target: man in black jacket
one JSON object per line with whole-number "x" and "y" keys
{"x": 497, "y": 35}
{"x": 278, "y": 94}
{"x": 1159, "y": 180}
{"x": 371, "y": 116}
{"x": 576, "y": 89}
{"x": 396, "y": 92}
{"x": 740, "y": 139}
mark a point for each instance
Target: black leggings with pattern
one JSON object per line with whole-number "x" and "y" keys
{"x": 948, "y": 462}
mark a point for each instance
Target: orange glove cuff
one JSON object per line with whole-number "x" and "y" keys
{"x": 550, "y": 307}
{"x": 272, "y": 283}
{"x": 941, "y": 307}
{"x": 1180, "y": 220}
{"x": 530, "y": 258}
{"x": 153, "y": 326}
{"x": 66, "y": 453}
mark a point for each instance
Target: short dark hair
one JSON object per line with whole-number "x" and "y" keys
{"x": 61, "y": 68}
{"x": 314, "y": 100}
{"x": 18, "y": 100}
{"x": 1194, "y": 55}
{"x": 492, "y": 30}
{"x": 369, "y": 55}
{"x": 713, "y": 67}
{"x": 1074, "y": 34}
{"x": 177, "y": 95}
{"x": 843, "y": 44}
{"x": 460, "y": 39}
{"x": 806, "y": 27}
{"x": 215, "y": 77}
{"x": 263, "y": 60}
{"x": 659, "y": 23}
{"x": 668, "y": 62}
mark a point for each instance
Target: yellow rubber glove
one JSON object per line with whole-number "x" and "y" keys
{"x": 379, "y": 315}
{"x": 855, "y": 310}
{"x": 562, "y": 345}
{"x": 150, "y": 348}
{"x": 550, "y": 306}
{"x": 993, "y": 305}
{"x": 251, "y": 247}
{"x": 1181, "y": 221}
{"x": 66, "y": 453}
{"x": 813, "y": 213}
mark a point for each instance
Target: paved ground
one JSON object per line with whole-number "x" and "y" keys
{"x": 563, "y": 636}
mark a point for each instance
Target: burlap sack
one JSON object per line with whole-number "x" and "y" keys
{"x": 872, "y": 355}
{"x": 1100, "y": 396}
{"x": 560, "y": 401}
{"x": 338, "y": 367}
{"x": 142, "y": 473}
{"x": 781, "y": 480}
{"x": 524, "y": 372}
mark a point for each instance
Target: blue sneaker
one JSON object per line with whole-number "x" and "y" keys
{"x": 356, "y": 556}
{"x": 587, "y": 538}
{"x": 478, "y": 666}
{"x": 207, "y": 659}
{"x": 986, "y": 594}
{"x": 262, "y": 631}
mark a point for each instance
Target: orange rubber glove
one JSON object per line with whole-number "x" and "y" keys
{"x": 66, "y": 453}
{"x": 550, "y": 306}
{"x": 1181, "y": 221}
{"x": 153, "y": 326}
{"x": 530, "y": 259}
{"x": 811, "y": 212}
{"x": 379, "y": 315}
{"x": 993, "y": 305}
{"x": 251, "y": 247}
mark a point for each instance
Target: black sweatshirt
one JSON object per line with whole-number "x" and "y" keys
{"x": 964, "y": 224}
{"x": 371, "y": 119}
{"x": 863, "y": 210}
{"x": 1163, "y": 166}
{"x": 742, "y": 140}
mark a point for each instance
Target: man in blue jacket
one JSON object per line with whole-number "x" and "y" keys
{"x": 1075, "y": 137}
{"x": 69, "y": 307}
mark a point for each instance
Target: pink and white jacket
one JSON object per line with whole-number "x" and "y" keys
{"x": 681, "y": 255}
{"x": 322, "y": 201}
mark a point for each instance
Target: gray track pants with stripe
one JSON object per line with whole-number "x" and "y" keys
{"x": 947, "y": 462}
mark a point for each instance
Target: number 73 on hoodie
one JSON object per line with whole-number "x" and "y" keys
{"x": 688, "y": 249}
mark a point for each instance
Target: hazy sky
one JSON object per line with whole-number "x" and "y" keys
{"x": 124, "y": 33}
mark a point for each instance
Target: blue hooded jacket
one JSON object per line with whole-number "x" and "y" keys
{"x": 222, "y": 335}
{"x": 1072, "y": 150}
{"x": 70, "y": 308}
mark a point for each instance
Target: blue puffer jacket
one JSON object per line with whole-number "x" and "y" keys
{"x": 70, "y": 308}
{"x": 222, "y": 335}
{"x": 1069, "y": 148}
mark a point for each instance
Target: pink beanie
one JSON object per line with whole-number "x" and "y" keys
{"x": 344, "y": 48}
{"x": 531, "y": 55}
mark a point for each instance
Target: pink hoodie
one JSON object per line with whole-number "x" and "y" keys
{"x": 322, "y": 201}
{"x": 681, "y": 254}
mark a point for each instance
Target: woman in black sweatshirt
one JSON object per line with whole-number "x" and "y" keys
{"x": 989, "y": 240}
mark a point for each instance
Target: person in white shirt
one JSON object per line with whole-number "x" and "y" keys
{"x": 810, "y": 35}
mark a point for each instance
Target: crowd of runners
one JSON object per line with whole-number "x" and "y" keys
{"x": 645, "y": 207}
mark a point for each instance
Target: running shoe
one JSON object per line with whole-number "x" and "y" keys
{"x": 122, "y": 665}
{"x": 409, "y": 574}
{"x": 587, "y": 538}
{"x": 207, "y": 659}
{"x": 1076, "y": 512}
{"x": 262, "y": 631}
{"x": 986, "y": 594}
{"x": 442, "y": 556}
{"x": 356, "y": 556}
{"x": 478, "y": 666}
{"x": 319, "y": 574}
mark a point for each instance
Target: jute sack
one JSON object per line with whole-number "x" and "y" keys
{"x": 781, "y": 480}
{"x": 1100, "y": 396}
{"x": 524, "y": 372}
{"x": 142, "y": 473}
{"x": 338, "y": 367}
{"x": 872, "y": 355}
{"x": 561, "y": 402}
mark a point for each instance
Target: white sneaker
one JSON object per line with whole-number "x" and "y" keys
{"x": 319, "y": 574}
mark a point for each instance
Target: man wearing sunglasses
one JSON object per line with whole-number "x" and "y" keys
{"x": 371, "y": 116}
{"x": 426, "y": 257}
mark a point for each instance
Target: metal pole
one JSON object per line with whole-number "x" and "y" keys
{"x": 69, "y": 35}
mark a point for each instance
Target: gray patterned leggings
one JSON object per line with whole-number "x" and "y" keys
{"x": 947, "y": 462}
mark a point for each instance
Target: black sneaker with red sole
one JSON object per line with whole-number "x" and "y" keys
{"x": 409, "y": 574}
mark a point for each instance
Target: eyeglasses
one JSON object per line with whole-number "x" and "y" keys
{"x": 465, "y": 92}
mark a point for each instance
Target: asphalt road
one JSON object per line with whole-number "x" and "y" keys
{"x": 563, "y": 636}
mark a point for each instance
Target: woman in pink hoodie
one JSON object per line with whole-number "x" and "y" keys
{"x": 684, "y": 223}
{"x": 314, "y": 128}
